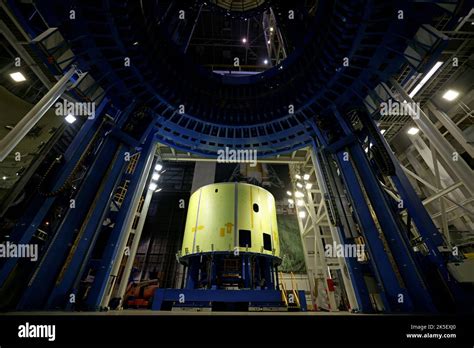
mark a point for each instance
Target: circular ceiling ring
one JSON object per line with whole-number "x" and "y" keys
{"x": 256, "y": 112}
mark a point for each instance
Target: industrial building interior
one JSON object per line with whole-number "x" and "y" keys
{"x": 303, "y": 158}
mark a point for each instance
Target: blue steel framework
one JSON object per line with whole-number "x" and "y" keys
{"x": 354, "y": 268}
{"x": 349, "y": 154}
{"x": 105, "y": 32}
{"x": 369, "y": 34}
{"x": 74, "y": 240}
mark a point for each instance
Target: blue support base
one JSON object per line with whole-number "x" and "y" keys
{"x": 212, "y": 291}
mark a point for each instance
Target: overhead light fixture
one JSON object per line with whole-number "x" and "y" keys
{"x": 306, "y": 177}
{"x": 425, "y": 79}
{"x": 383, "y": 131}
{"x": 70, "y": 119}
{"x": 299, "y": 194}
{"x": 291, "y": 201}
{"x": 158, "y": 167}
{"x": 155, "y": 177}
{"x": 265, "y": 61}
{"x": 302, "y": 214}
{"x": 244, "y": 40}
{"x": 153, "y": 186}
{"x": 135, "y": 43}
{"x": 269, "y": 42}
{"x": 18, "y": 77}
{"x": 4, "y": 177}
{"x": 299, "y": 203}
{"x": 297, "y": 176}
{"x": 308, "y": 186}
{"x": 300, "y": 185}
{"x": 450, "y": 95}
{"x": 271, "y": 28}
{"x": 413, "y": 131}
{"x": 158, "y": 190}
{"x": 289, "y": 193}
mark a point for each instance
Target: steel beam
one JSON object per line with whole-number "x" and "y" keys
{"x": 444, "y": 148}
{"x": 122, "y": 286}
{"x": 388, "y": 282}
{"x": 452, "y": 128}
{"x": 391, "y": 228}
{"x": 354, "y": 283}
{"x": 114, "y": 251}
{"x": 184, "y": 158}
{"x": 71, "y": 271}
{"x": 45, "y": 275}
{"x": 11, "y": 140}
{"x": 28, "y": 226}
{"x": 425, "y": 226}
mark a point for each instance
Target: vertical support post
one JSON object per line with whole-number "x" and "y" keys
{"x": 86, "y": 237}
{"x": 354, "y": 284}
{"x": 110, "y": 264}
{"x": 423, "y": 222}
{"x": 444, "y": 220}
{"x": 43, "y": 278}
{"x": 319, "y": 252}
{"x": 301, "y": 227}
{"x": 386, "y": 277}
{"x": 122, "y": 286}
{"x": 401, "y": 252}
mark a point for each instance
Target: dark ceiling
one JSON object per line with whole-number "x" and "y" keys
{"x": 218, "y": 39}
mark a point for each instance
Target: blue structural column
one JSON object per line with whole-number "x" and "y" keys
{"x": 61, "y": 245}
{"x": 423, "y": 222}
{"x": 192, "y": 273}
{"x": 402, "y": 253}
{"x": 102, "y": 281}
{"x": 389, "y": 284}
{"x": 71, "y": 271}
{"x": 46, "y": 274}
{"x": 33, "y": 217}
{"x": 354, "y": 268}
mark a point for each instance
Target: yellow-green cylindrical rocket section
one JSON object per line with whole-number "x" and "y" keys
{"x": 229, "y": 217}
